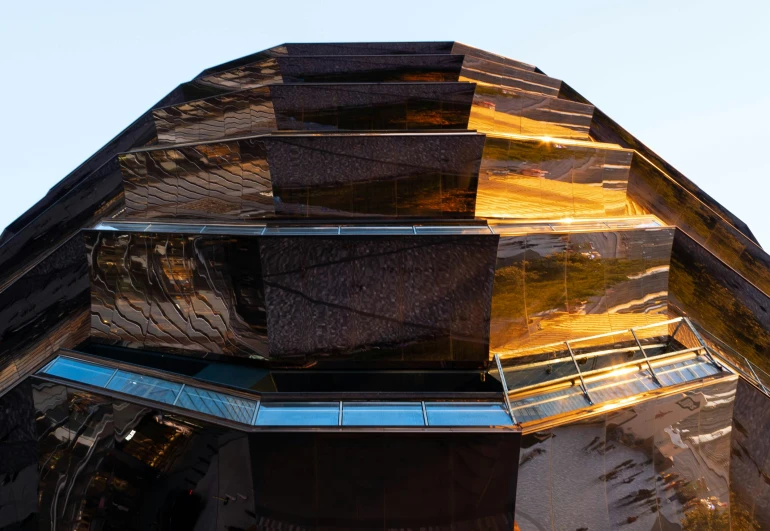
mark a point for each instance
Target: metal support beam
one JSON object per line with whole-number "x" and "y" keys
{"x": 751, "y": 367}
{"x": 703, "y": 344}
{"x": 671, "y": 337}
{"x": 580, "y": 375}
{"x": 644, "y": 355}
{"x": 505, "y": 388}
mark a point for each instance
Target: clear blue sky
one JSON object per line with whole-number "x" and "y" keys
{"x": 690, "y": 79}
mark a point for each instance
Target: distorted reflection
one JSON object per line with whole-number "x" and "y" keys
{"x": 557, "y": 287}
{"x": 662, "y": 463}
{"x": 528, "y": 178}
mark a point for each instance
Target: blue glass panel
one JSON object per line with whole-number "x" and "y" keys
{"x": 307, "y": 414}
{"x": 145, "y": 387}
{"x": 467, "y": 414}
{"x": 217, "y": 404}
{"x": 80, "y": 371}
{"x": 374, "y": 414}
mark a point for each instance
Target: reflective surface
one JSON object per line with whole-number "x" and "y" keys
{"x": 533, "y": 179}
{"x": 720, "y": 300}
{"x": 501, "y": 109}
{"x": 660, "y": 464}
{"x": 749, "y": 448}
{"x": 416, "y": 299}
{"x": 174, "y": 292}
{"x": 306, "y": 176}
{"x": 106, "y": 461}
{"x": 44, "y": 310}
{"x": 556, "y": 287}
{"x": 407, "y": 175}
{"x": 389, "y": 298}
{"x": 362, "y": 107}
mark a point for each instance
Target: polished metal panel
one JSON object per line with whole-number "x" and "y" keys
{"x": 372, "y": 107}
{"x": 370, "y": 68}
{"x": 175, "y": 292}
{"x": 657, "y": 192}
{"x": 248, "y": 112}
{"x": 389, "y": 298}
{"x": 386, "y": 479}
{"x": 217, "y": 181}
{"x": 720, "y": 299}
{"x": 537, "y": 179}
{"x": 401, "y": 175}
{"x": 502, "y": 109}
{"x": 749, "y": 451}
{"x": 556, "y": 287}
{"x": 102, "y": 459}
{"x": 306, "y": 176}
{"x": 44, "y": 310}
{"x": 662, "y": 463}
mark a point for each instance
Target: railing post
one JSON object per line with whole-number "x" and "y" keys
{"x": 580, "y": 375}
{"x": 644, "y": 355}
{"x": 671, "y": 337}
{"x": 505, "y": 388}
{"x": 755, "y": 374}
{"x": 703, "y": 344}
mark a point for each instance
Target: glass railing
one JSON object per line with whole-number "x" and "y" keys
{"x": 255, "y": 412}
{"x": 501, "y": 227}
{"x": 294, "y": 230}
{"x": 571, "y": 375}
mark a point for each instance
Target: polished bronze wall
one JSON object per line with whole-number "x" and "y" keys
{"x": 750, "y": 449}
{"x": 384, "y": 175}
{"x": 330, "y": 175}
{"x": 387, "y": 480}
{"x": 222, "y": 180}
{"x": 659, "y": 464}
{"x": 383, "y": 298}
{"x": 536, "y": 179}
{"x": 42, "y": 311}
{"x": 557, "y": 287}
{"x": 719, "y": 299}
{"x": 657, "y": 193}
{"x": 502, "y": 109}
{"x": 104, "y": 460}
{"x": 177, "y": 292}
{"x": 394, "y": 299}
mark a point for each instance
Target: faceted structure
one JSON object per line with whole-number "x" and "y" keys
{"x": 413, "y": 286}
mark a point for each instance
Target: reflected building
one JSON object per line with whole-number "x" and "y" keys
{"x": 414, "y": 286}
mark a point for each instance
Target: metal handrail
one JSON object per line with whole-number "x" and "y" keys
{"x": 644, "y": 355}
{"x": 600, "y": 336}
{"x": 580, "y": 374}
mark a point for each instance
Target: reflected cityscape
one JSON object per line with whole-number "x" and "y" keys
{"x": 397, "y": 285}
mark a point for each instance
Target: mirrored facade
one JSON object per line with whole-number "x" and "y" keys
{"x": 395, "y": 285}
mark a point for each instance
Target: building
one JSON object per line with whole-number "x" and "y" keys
{"x": 381, "y": 285}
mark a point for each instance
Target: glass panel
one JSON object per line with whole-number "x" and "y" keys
{"x": 470, "y": 414}
{"x": 291, "y": 231}
{"x": 80, "y": 371}
{"x": 377, "y": 230}
{"x": 145, "y": 387}
{"x": 307, "y": 414}
{"x": 231, "y": 230}
{"x": 373, "y": 414}
{"x": 173, "y": 227}
{"x": 217, "y": 404}
{"x": 453, "y": 230}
